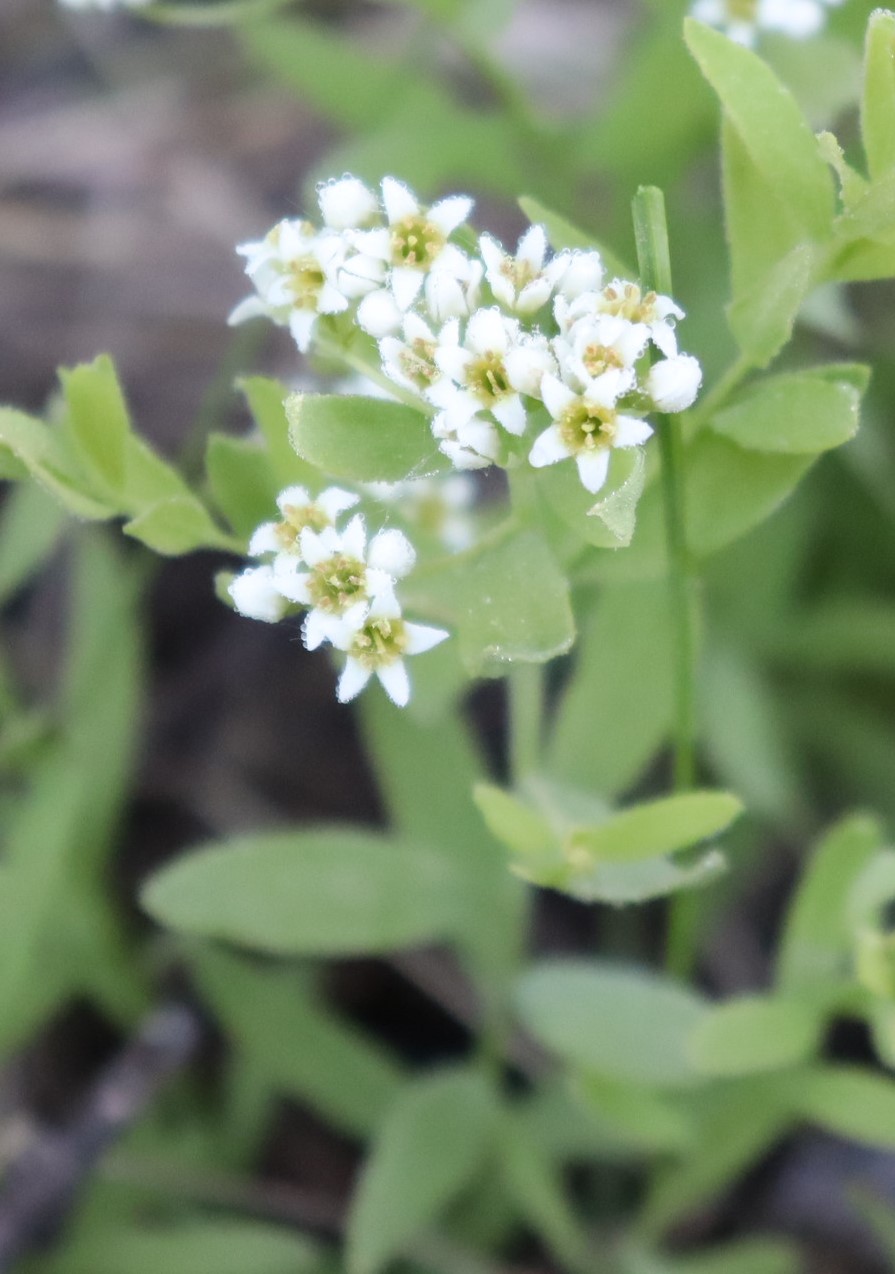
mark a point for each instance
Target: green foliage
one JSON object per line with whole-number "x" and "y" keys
{"x": 802, "y": 413}
{"x": 362, "y": 439}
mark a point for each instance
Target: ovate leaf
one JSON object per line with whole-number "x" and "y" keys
{"x": 657, "y": 827}
{"x": 97, "y": 418}
{"x": 799, "y": 413}
{"x": 177, "y": 525}
{"x": 850, "y": 1102}
{"x": 754, "y": 1033}
{"x": 362, "y": 439}
{"x": 325, "y": 892}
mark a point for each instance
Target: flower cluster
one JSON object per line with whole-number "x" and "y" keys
{"x": 515, "y": 356}
{"x": 345, "y": 584}
{"x": 743, "y": 20}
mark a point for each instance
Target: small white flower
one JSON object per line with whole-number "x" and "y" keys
{"x": 298, "y": 510}
{"x": 414, "y": 240}
{"x": 743, "y": 20}
{"x": 256, "y": 595}
{"x": 470, "y": 443}
{"x": 378, "y": 647}
{"x": 659, "y": 313}
{"x": 584, "y": 273}
{"x": 523, "y": 283}
{"x": 478, "y": 372}
{"x": 410, "y": 362}
{"x": 602, "y": 344}
{"x": 453, "y": 286}
{"x": 586, "y": 426}
{"x": 335, "y": 570}
{"x": 346, "y": 203}
{"x": 295, "y": 271}
{"x": 674, "y": 383}
{"x": 378, "y": 314}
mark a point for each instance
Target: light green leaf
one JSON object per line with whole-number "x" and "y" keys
{"x": 762, "y": 318}
{"x": 823, "y": 73}
{"x": 878, "y": 101}
{"x": 30, "y": 526}
{"x": 748, "y": 1256}
{"x": 299, "y": 1048}
{"x": 754, "y": 1033}
{"x": 507, "y": 597}
{"x": 362, "y": 439}
{"x": 609, "y": 522}
{"x": 513, "y": 821}
{"x": 326, "y": 892}
{"x": 241, "y": 482}
{"x": 624, "y": 1023}
{"x": 619, "y": 884}
{"x": 799, "y": 413}
{"x": 614, "y": 713}
{"x": 657, "y": 827}
{"x": 40, "y": 450}
{"x": 770, "y": 124}
{"x": 177, "y": 525}
{"x": 267, "y": 402}
{"x": 538, "y": 1190}
{"x": 431, "y": 1144}
{"x": 640, "y": 1117}
{"x": 97, "y": 419}
{"x": 562, "y": 234}
{"x": 816, "y": 940}
{"x": 849, "y": 1102}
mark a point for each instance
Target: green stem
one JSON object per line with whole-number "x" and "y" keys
{"x": 526, "y": 702}
{"x": 655, "y": 270}
{"x": 227, "y": 13}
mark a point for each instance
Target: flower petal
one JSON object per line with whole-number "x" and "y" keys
{"x": 352, "y": 681}
{"x": 593, "y": 466}
{"x": 557, "y": 396}
{"x": 630, "y": 431}
{"x": 398, "y": 200}
{"x": 395, "y": 682}
{"x": 391, "y": 551}
{"x": 450, "y": 213}
{"x": 548, "y": 448}
{"x": 420, "y": 638}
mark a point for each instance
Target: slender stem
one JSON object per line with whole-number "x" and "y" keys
{"x": 226, "y": 13}
{"x": 526, "y": 701}
{"x": 655, "y": 269}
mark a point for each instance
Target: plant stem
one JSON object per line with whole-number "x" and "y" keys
{"x": 526, "y": 701}
{"x": 225, "y": 14}
{"x": 655, "y": 270}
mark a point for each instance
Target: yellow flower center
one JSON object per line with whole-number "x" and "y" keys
{"x": 487, "y": 377}
{"x": 337, "y": 583}
{"x": 584, "y": 427}
{"x": 416, "y": 241}
{"x": 306, "y": 279}
{"x": 295, "y": 518}
{"x": 417, "y": 362}
{"x": 628, "y": 303}
{"x": 601, "y": 358}
{"x": 380, "y": 642}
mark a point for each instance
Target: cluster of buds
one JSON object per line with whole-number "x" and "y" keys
{"x": 516, "y": 357}
{"x": 743, "y": 20}
{"x": 345, "y": 585}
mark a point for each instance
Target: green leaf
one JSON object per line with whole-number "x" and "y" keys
{"x": 762, "y": 317}
{"x": 609, "y": 522}
{"x": 326, "y": 892}
{"x": 537, "y": 1189}
{"x": 643, "y": 1120}
{"x": 619, "y": 884}
{"x": 98, "y": 419}
{"x": 816, "y": 940}
{"x": 177, "y": 525}
{"x": 267, "y": 402}
{"x": 770, "y": 125}
{"x": 513, "y": 821}
{"x": 754, "y": 1033}
{"x": 657, "y": 827}
{"x": 217, "y": 1246}
{"x": 849, "y": 1102}
{"x": 362, "y": 439}
{"x": 616, "y": 709}
{"x": 624, "y": 1023}
{"x": 241, "y": 482}
{"x": 41, "y": 451}
{"x": 31, "y": 524}
{"x": 288, "y": 1037}
{"x": 799, "y": 413}
{"x": 429, "y": 1148}
{"x": 507, "y": 598}
{"x": 823, "y": 73}
{"x": 562, "y": 234}
{"x": 747, "y": 1256}
{"x": 878, "y": 101}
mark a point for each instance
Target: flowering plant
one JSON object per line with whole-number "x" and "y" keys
{"x": 524, "y": 490}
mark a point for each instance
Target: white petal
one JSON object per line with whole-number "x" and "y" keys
{"x": 378, "y": 313}
{"x": 450, "y": 213}
{"x": 445, "y": 297}
{"x": 534, "y": 295}
{"x": 405, "y": 283}
{"x": 492, "y": 254}
{"x": 674, "y": 383}
{"x": 372, "y": 243}
{"x": 334, "y": 501}
{"x": 584, "y": 274}
{"x": 557, "y": 396}
{"x": 292, "y": 584}
{"x": 264, "y": 540}
{"x": 398, "y": 200}
{"x": 251, "y": 307}
{"x": 420, "y": 638}
{"x": 301, "y": 325}
{"x": 593, "y": 467}
{"x": 548, "y": 448}
{"x": 315, "y": 629}
{"x": 346, "y": 203}
{"x": 391, "y": 551}
{"x": 255, "y": 596}
{"x": 487, "y": 332}
{"x": 460, "y": 457}
{"x": 630, "y": 431}
{"x": 533, "y": 247}
{"x": 395, "y": 682}
{"x": 331, "y": 300}
{"x": 354, "y": 538}
{"x": 664, "y": 338}
{"x": 510, "y": 413}
{"x": 383, "y": 604}
{"x": 352, "y": 681}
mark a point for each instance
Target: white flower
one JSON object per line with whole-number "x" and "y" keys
{"x": 453, "y": 287}
{"x": 410, "y": 362}
{"x": 335, "y": 570}
{"x": 659, "y": 313}
{"x": 522, "y": 283}
{"x": 674, "y": 383}
{"x": 743, "y": 20}
{"x": 414, "y": 240}
{"x": 295, "y": 272}
{"x": 256, "y": 595}
{"x": 478, "y": 370}
{"x": 468, "y": 443}
{"x": 378, "y": 646}
{"x": 602, "y": 344}
{"x": 346, "y": 203}
{"x": 583, "y": 273}
{"x": 299, "y": 510}
{"x": 379, "y": 315}
{"x": 586, "y": 426}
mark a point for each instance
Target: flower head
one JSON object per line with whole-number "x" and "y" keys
{"x": 378, "y": 646}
